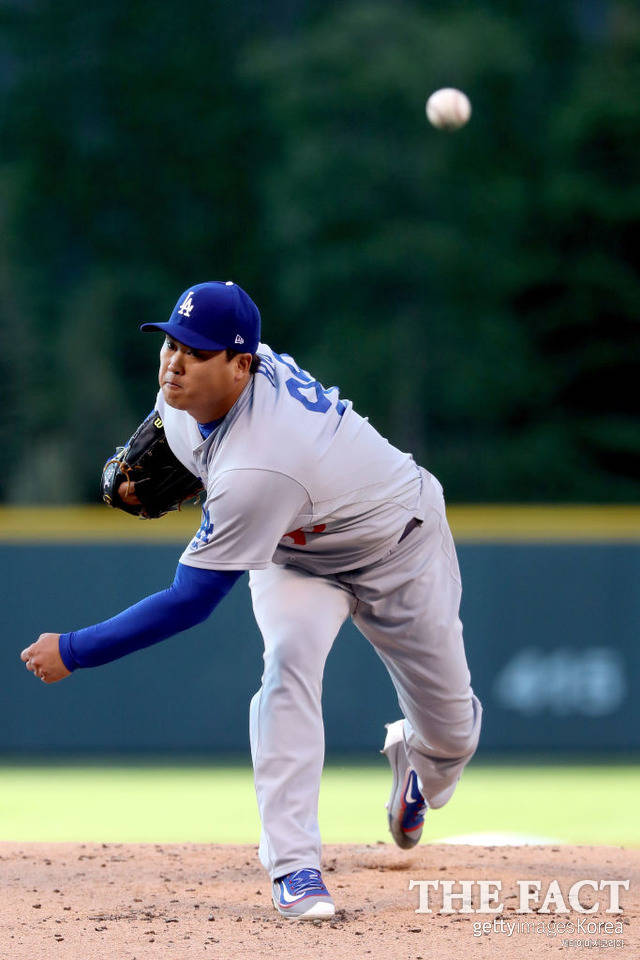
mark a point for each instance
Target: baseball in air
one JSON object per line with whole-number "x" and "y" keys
{"x": 448, "y": 109}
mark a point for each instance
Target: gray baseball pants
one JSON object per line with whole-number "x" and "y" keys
{"x": 407, "y": 606}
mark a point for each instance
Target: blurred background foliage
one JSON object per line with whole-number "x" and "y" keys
{"x": 476, "y": 294}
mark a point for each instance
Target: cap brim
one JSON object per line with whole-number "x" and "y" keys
{"x": 183, "y": 335}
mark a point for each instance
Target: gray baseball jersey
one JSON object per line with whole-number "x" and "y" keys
{"x": 293, "y": 475}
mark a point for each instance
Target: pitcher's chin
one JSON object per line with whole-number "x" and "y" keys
{"x": 173, "y": 395}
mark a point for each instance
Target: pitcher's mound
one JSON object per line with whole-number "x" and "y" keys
{"x": 186, "y": 901}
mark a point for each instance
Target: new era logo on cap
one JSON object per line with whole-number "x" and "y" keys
{"x": 239, "y": 339}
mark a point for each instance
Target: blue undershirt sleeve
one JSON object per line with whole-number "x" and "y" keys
{"x": 191, "y": 598}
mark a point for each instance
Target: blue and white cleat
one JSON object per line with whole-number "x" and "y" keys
{"x": 302, "y": 895}
{"x": 406, "y": 807}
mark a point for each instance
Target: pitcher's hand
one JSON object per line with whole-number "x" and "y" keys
{"x": 127, "y": 492}
{"x": 43, "y": 658}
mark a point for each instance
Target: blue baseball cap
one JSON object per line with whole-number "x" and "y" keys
{"x": 214, "y": 316}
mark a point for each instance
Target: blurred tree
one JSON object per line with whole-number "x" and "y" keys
{"x": 581, "y": 300}
{"x": 474, "y": 293}
{"x": 420, "y": 270}
{"x": 124, "y": 178}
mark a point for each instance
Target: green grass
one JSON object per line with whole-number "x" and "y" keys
{"x": 569, "y": 803}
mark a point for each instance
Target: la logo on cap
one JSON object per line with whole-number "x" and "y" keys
{"x": 187, "y": 305}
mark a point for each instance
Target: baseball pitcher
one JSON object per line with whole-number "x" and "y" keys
{"x": 331, "y": 521}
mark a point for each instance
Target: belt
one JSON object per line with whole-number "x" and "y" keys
{"x": 413, "y": 523}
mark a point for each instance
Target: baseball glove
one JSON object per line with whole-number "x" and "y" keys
{"x": 161, "y": 482}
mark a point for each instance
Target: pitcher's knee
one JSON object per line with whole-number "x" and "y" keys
{"x": 456, "y": 738}
{"x": 458, "y": 743}
{"x": 466, "y": 740}
{"x": 294, "y": 656}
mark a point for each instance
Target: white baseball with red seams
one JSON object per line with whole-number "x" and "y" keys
{"x": 448, "y": 109}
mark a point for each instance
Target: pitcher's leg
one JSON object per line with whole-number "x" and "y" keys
{"x": 442, "y": 714}
{"x": 299, "y": 616}
{"x": 409, "y": 609}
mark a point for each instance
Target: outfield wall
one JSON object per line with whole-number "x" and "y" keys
{"x": 551, "y": 609}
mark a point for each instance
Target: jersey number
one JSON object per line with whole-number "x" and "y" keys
{"x": 320, "y": 405}
{"x": 302, "y": 381}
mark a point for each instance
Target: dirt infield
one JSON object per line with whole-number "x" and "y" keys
{"x": 182, "y": 901}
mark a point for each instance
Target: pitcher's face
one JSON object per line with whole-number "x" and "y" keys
{"x": 203, "y": 382}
